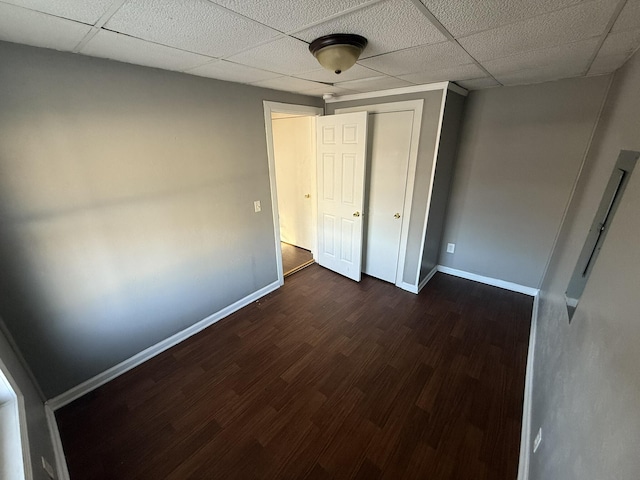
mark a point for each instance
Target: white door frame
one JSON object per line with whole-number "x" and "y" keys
{"x": 276, "y": 107}
{"x": 415, "y": 106}
{"x": 17, "y": 438}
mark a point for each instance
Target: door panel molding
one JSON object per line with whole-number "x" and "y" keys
{"x": 341, "y": 179}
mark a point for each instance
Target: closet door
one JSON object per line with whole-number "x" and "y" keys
{"x": 390, "y": 140}
{"x": 393, "y": 141}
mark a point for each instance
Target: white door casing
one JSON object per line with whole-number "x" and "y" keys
{"x": 269, "y": 109}
{"x": 14, "y": 439}
{"x": 415, "y": 107}
{"x": 341, "y": 160}
{"x": 390, "y": 140}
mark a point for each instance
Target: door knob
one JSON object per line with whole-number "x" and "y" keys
{"x": 397, "y": 215}
{"x": 307, "y": 195}
{"x": 356, "y": 214}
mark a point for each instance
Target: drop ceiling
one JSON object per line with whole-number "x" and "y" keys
{"x": 476, "y": 43}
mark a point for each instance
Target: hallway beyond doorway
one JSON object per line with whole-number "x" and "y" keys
{"x": 294, "y": 258}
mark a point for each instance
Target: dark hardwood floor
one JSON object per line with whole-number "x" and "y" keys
{"x": 324, "y": 378}
{"x": 294, "y": 258}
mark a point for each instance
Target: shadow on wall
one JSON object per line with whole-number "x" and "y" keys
{"x": 126, "y": 206}
{"x": 105, "y": 273}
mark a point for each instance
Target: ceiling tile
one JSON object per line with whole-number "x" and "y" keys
{"x": 232, "y": 72}
{"x": 389, "y": 26}
{"x": 463, "y": 17}
{"x": 607, "y": 64}
{"x": 419, "y": 59}
{"x": 20, "y": 25}
{"x": 615, "y": 51}
{"x": 354, "y": 73}
{"x": 623, "y": 43}
{"x": 629, "y": 18}
{"x": 123, "y": 48}
{"x": 198, "y": 26}
{"x": 383, "y": 82}
{"x": 519, "y": 41}
{"x": 289, "y": 15}
{"x": 319, "y": 91}
{"x": 287, "y": 55}
{"x": 569, "y": 25}
{"x": 289, "y": 84}
{"x": 79, "y": 10}
{"x": 478, "y": 83}
{"x": 572, "y": 56}
{"x": 539, "y": 75}
{"x": 461, "y": 72}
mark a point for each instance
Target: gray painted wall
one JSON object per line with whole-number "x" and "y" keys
{"x": 445, "y": 165}
{"x": 586, "y": 390}
{"x": 520, "y": 150}
{"x": 126, "y": 204}
{"x": 430, "y": 119}
{"x": 37, "y": 428}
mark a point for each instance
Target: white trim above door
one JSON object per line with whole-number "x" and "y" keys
{"x": 416, "y": 106}
{"x": 276, "y": 107}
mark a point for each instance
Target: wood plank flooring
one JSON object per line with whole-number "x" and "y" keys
{"x": 294, "y": 258}
{"x": 324, "y": 378}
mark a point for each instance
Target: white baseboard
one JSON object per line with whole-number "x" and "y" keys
{"x": 123, "y": 367}
{"x": 429, "y": 276}
{"x": 412, "y": 288}
{"x": 525, "y": 435}
{"x": 61, "y": 462}
{"x": 514, "y": 287}
{"x": 408, "y": 287}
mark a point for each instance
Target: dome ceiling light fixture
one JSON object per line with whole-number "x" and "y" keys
{"x": 339, "y": 51}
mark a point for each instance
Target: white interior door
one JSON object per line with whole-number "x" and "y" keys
{"x": 294, "y": 150}
{"x": 390, "y": 135}
{"x": 341, "y": 146}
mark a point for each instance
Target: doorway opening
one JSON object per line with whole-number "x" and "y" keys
{"x": 291, "y": 149}
{"x": 295, "y": 258}
{"x": 308, "y": 177}
{"x": 14, "y": 452}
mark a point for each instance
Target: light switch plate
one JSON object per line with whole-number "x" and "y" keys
{"x": 256, "y": 206}
{"x": 451, "y": 247}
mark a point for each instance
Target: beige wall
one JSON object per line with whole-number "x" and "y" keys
{"x": 126, "y": 204}
{"x": 520, "y": 151}
{"x": 295, "y": 162}
{"x": 586, "y": 390}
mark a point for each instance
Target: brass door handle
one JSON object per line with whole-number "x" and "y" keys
{"x": 397, "y": 215}
{"x": 356, "y": 214}
{"x": 308, "y": 195}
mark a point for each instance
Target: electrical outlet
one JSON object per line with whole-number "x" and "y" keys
{"x": 256, "y": 206}
{"x": 451, "y": 247}
{"x": 47, "y": 468}
{"x": 538, "y": 440}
